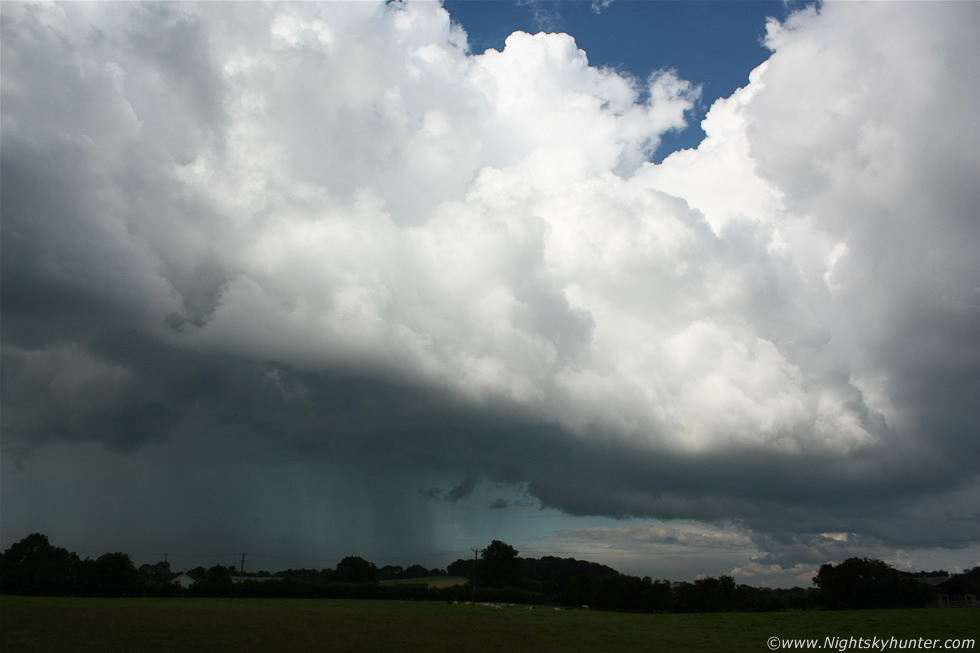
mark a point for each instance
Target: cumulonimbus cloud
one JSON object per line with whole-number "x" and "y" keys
{"x": 307, "y": 192}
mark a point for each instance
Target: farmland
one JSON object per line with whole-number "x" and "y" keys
{"x": 430, "y": 581}
{"x": 126, "y": 624}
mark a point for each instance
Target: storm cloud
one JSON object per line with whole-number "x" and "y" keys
{"x": 300, "y": 241}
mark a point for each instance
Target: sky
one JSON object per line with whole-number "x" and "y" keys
{"x": 682, "y": 288}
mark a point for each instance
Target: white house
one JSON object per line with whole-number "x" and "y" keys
{"x": 183, "y": 580}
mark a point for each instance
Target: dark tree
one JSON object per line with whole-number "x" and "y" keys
{"x": 198, "y": 573}
{"x": 657, "y": 595}
{"x": 354, "y": 569}
{"x": 159, "y": 572}
{"x": 302, "y": 575}
{"x": 868, "y": 583}
{"x": 629, "y": 593}
{"x": 462, "y": 567}
{"x": 117, "y": 575}
{"x": 715, "y": 594}
{"x": 34, "y": 566}
{"x": 219, "y": 574}
{"x": 415, "y": 571}
{"x": 500, "y": 565}
{"x": 215, "y": 581}
{"x": 390, "y": 572}
{"x": 87, "y": 577}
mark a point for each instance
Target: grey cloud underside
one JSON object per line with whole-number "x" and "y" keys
{"x": 462, "y": 490}
{"x": 268, "y": 415}
{"x": 403, "y": 267}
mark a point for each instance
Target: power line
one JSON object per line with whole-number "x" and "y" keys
{"x": 473, "y": 580}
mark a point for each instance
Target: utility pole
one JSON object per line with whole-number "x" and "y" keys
{"x": 165, "y": 557}
{"x": 242, "y": 572}
{"x": 475, "y": 563}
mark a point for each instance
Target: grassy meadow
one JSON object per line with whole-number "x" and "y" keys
{"x": 431, "y": 581}
{"x": 84, "y": 624}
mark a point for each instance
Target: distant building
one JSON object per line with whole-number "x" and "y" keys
{"x": 951, "y": 591}
{"x": 183, "y": 580}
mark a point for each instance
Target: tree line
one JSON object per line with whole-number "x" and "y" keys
{"x": 500, "y": 574}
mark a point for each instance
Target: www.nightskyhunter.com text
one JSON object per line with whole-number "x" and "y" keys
{"x": 870, "y": 643}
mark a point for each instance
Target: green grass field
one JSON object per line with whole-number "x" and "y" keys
{"x": 67, "y": 624}
{"x": 431, "y": 581}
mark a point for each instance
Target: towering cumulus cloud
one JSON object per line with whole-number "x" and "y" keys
{"x": 269, "y": 238}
